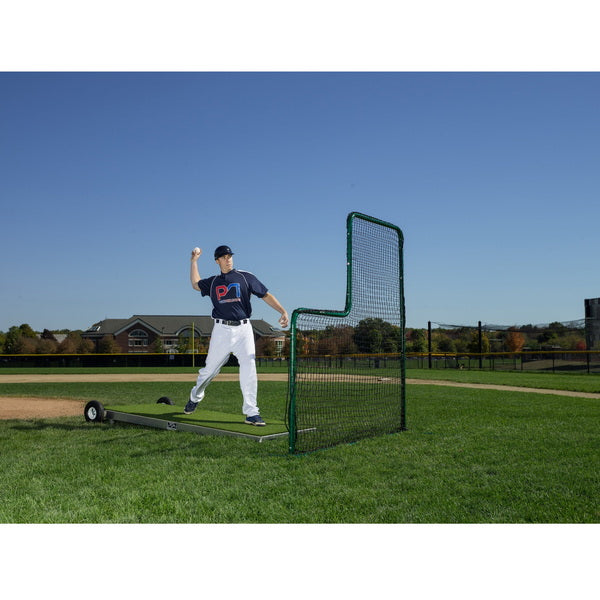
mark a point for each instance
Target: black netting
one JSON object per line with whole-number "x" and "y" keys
{"x": 347, "y": 371}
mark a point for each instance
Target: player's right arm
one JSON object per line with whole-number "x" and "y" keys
{"x": 194, "y": 274}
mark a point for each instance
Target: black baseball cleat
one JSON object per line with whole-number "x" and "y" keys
{"x": 255, "y": 420}
{"x": 190, "y": 407}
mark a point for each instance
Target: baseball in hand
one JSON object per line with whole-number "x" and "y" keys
{"x": 196, "y": 250}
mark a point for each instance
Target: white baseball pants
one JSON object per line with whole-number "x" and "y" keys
{"x": 227, "y": 339}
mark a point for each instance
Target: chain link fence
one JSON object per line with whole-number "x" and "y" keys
{"x": 575, "y": 361}
{"x": 132, "y": 360}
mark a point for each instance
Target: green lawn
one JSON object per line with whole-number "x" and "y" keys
{"x": 559, "y": 381}
{"x": 571, "y": 382}
{"x": 469, "y": 456}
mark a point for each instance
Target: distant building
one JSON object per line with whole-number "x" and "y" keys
{"x": 48, "y": 335}
{"x": 139, "y": 333}
{"x": 592, "y": 323}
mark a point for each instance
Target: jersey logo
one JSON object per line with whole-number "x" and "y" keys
{"x": 224, "y": 290}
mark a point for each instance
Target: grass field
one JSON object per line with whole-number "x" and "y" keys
{"x": 469, "y": 456}
{"x": 562, "y": 381}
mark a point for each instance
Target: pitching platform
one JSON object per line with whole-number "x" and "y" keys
{"x": 171, "y": 418}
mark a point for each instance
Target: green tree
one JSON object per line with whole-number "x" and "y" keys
{"x": 462, "y": 339}
{"x": 20, "y": 340}
{"x": 474, "y": 342}
{"x": 552, "y": 334}
{"x": 108, "y": 345}
{"x": 27, "y": 331}
{"x": 418, "y": 341}
{"x": 13, "y": 340}
{"x": 445, "y": 344}
{"x": 373, "y": 336}
{"x": 392, "y": 337}
{"x": 368, "y": 336}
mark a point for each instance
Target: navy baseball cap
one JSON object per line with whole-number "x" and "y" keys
{"x": 222, "y": 251}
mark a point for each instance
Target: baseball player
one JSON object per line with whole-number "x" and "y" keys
{"x": 230, "y": 293}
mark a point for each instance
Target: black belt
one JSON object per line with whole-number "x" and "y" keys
{"x": 234, "y": 323}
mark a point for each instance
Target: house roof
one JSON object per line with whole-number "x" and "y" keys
{"x": 171, "y": 325}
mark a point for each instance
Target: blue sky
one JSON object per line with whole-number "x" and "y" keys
{"x": 110, "y": 179}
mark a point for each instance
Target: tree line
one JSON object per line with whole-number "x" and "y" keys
{"x": 375, "y": 336}
{"x": 555, "y": 336}
{"x": 22, "y": 339}
{"x": 369, "y": 336}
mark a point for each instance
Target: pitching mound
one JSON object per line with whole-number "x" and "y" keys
{"x": 38, "y": 408}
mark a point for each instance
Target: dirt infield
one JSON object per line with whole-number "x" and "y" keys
{"x": 40, "y": 408}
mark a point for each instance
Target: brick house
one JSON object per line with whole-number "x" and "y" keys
{"x": 140, "y": 332}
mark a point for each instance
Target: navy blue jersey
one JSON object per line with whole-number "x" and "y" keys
{"x": 230, "y": 294}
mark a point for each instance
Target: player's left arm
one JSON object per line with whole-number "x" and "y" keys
{"x": 274, "y": 303}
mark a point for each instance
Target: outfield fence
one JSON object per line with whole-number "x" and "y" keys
{"x": 146, "y": 359}
{"x": 578, "y": 361}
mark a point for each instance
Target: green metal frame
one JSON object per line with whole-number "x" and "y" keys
{"x": 332, "y": 313}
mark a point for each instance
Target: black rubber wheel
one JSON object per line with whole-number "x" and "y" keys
{"x": 165, "y": 400}
{"x": 94, "y": 412}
